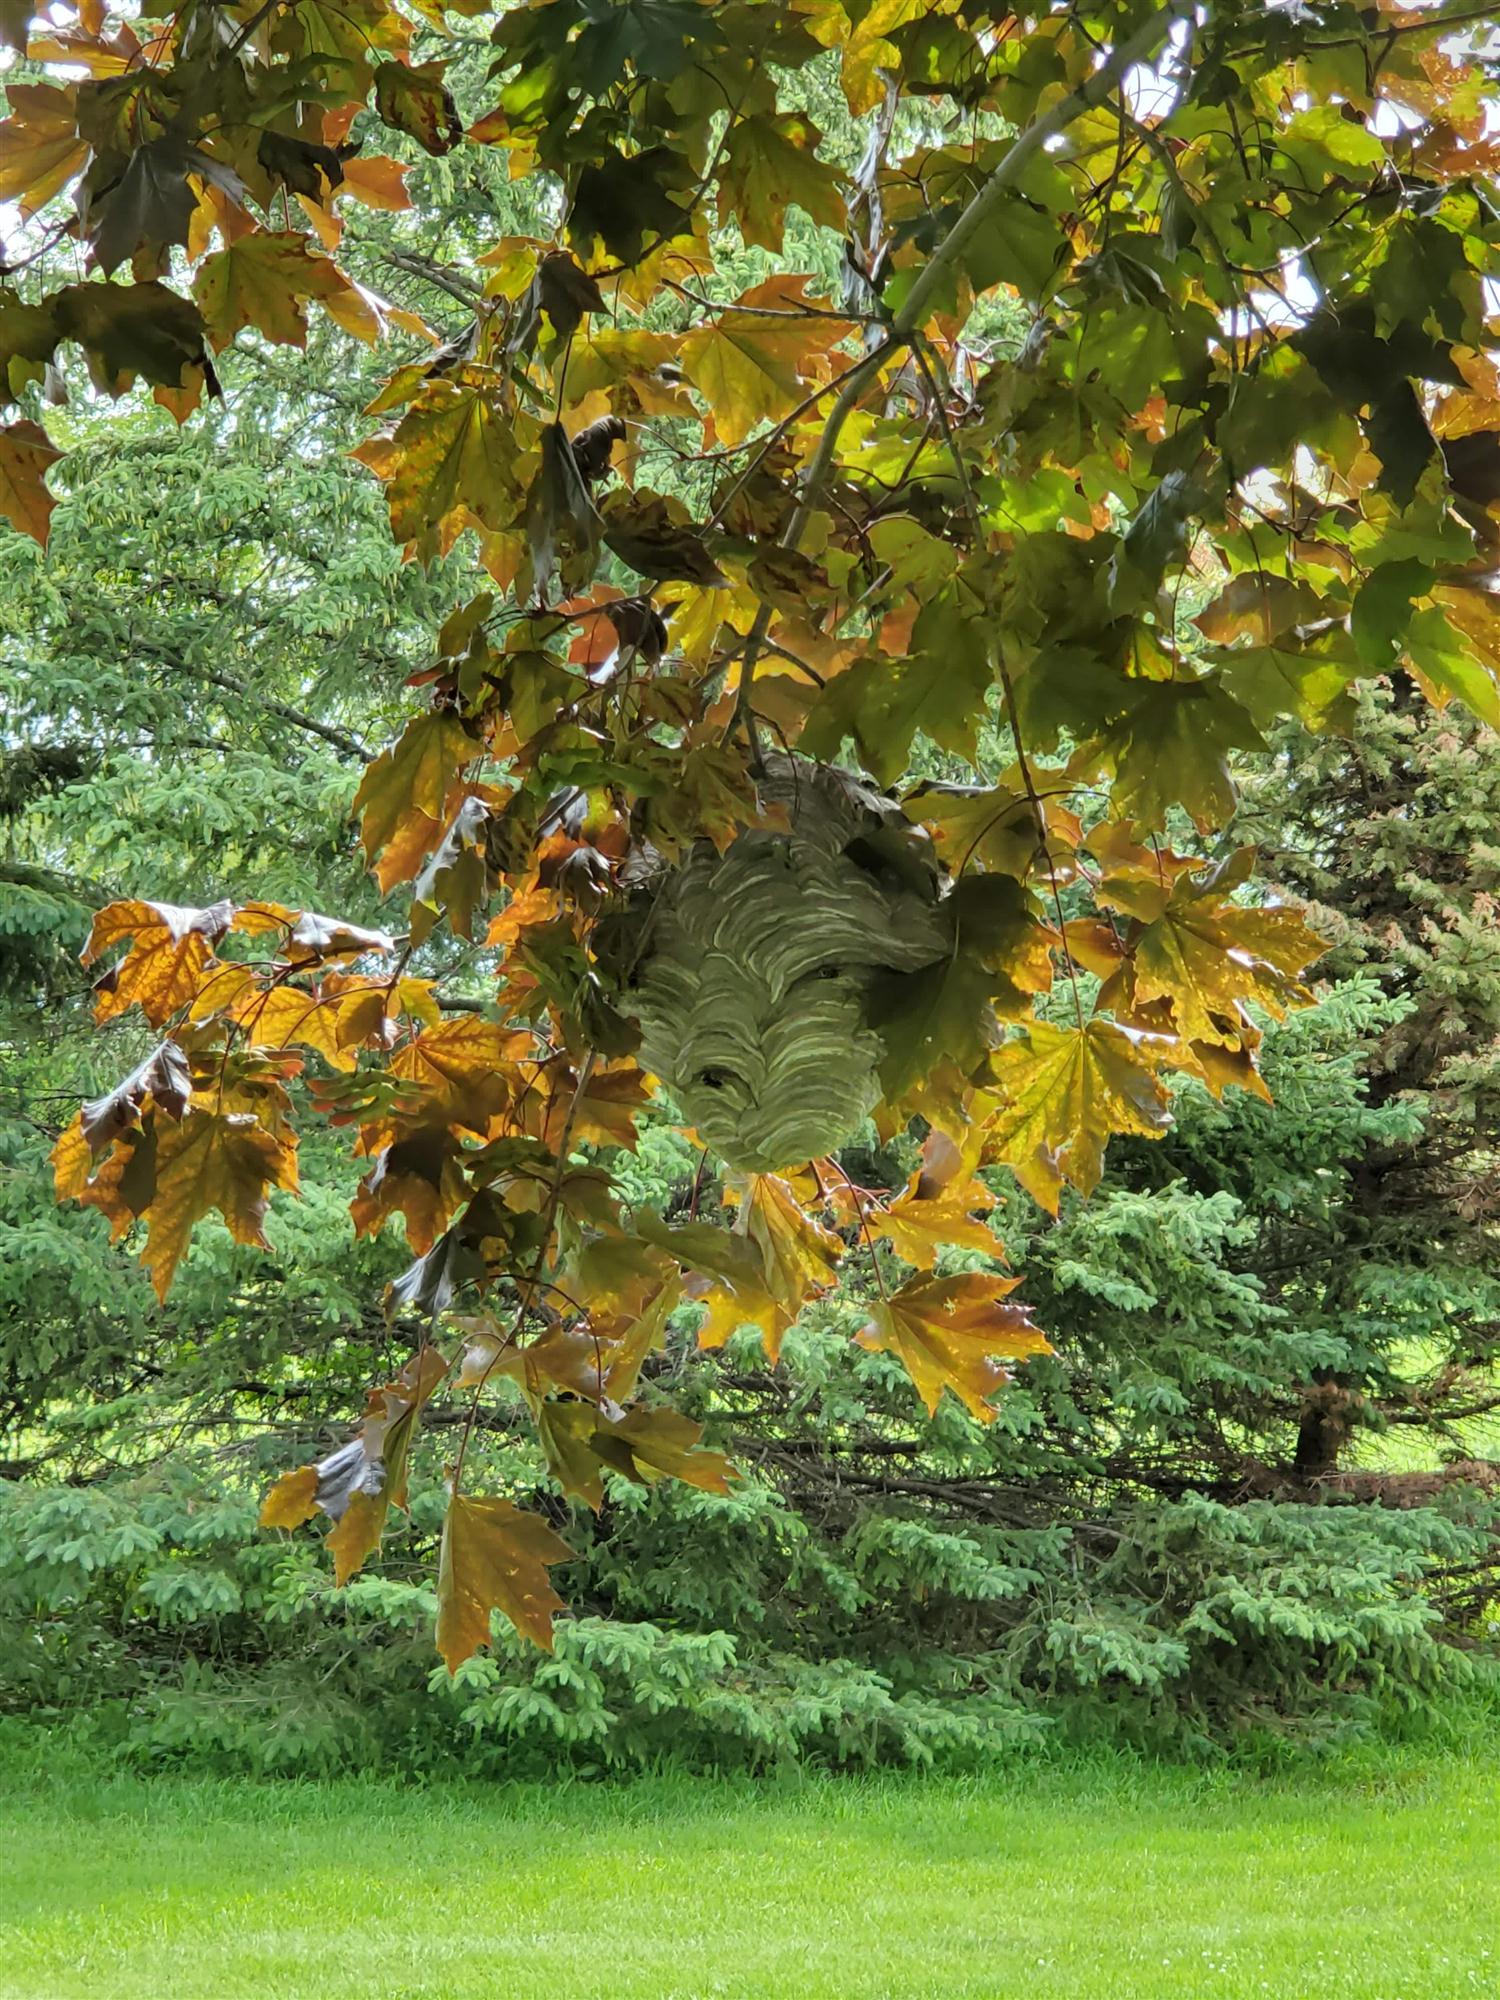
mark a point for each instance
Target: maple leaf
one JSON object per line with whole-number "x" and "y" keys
{"x": 263, "y": 280}
{"x": 918, "y": 1224}
{"x": 985, "y": 825}
{"x": 359, "y": 1483}
{"x": 309, "y": 938}
{"x": 604, "y": 1110}
{"x": 565, "y": 292}
{"x": 562, "y": 524}
{"x": 565, "y": 1431}
{"x": 713, "y": 797}
{"x": 948, "y": 1012}
{"x": 494, "y": 1558}
{"x": 609, "y": 359}
{"x": 163, "y": 1078}
{"x": 334, "y": 1017}
{"x": 28, "y": 340}
{"x": 162, "y": 971}
{"x": 1170, "y": 746}
{"x": 1062, "y": 1091}
{"x": 644, "y": 534}
{"x": 417, "y": 1177}
{"x": 937, "y": 689}
{"x": 402, "y": 793}
{"x": 995, "y": 922}
{"x": 209, "y": 1161}
{"x": 40, "y": 146}
{"x": 1206, "y": 955}
{"x": 466, "y": 1068}
{"x": 798, "y": 1256}
{"x": 121, "y": 1187}
{"x": 1219, "y": 1066}
{"x": 1310, "y": 681}
{"x": 1257, "y": 605}
{"x": 149, "y": 207}
{"x": 726, "y": 1275}
{"x": 26, "y": 456}
{"x": 378, "y": 183}
{"x": 625, "y": 202}
{"x": 572, "y": 1359}
{"x": 87, "y": 46}
{"x": 292, "y": 1500}
{"x": 628, "y": 1287}
{"x": 947, "y": 1334}
{"x": 131, "y": 330}
{"x": 356, "y": 1485}
{"x": 746, "y": 369}
{"x": 452, "y": 459}
{"x": 940, "y": 1013}
{"x": 647, "y": 1445}
{"x": 417, "y": 101}
{"x": 768, "y": 163}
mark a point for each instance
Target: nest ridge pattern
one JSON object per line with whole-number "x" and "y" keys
{"x": 753, "y": 989}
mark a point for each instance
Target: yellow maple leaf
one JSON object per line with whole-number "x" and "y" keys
{"x": 749, "y": 365}
{"x": 404, "y": 791}
{"x": 954, "y": 1333}
{"x": 265, "y": 279}
{"x": 452, "y": 459}
{"x": 799, "y": 1256}
{"x": 494, "y": 1558}
{"x": 40, "y": 146}
{"x": 170, "y": 953}
{"x": 1062, "y": 1091}
{"x": 917, "y": 1225}
{"x": 1206, "y": 956}
{"x": 211, "y": 1161}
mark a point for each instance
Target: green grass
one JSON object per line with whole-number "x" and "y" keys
{"x": 1111, "y": 1879}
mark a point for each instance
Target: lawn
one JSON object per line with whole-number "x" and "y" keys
{"x": 1111, "y": 1879}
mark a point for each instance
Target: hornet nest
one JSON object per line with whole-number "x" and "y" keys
{"x": 752, "y": 973}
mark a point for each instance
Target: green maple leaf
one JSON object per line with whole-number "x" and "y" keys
{"x": 939, "y": 1014}
{"x": 627, "y": 203}
{"x": 1020, "y": 245}
{"x": 1309, "y": 682}
{"x": 150, "y": 206}
{"x": 1382, "y": 606}
{"x": 130, "y": 330}
{"x": 1171, "y": 747}
{"x": 937, "y": 690}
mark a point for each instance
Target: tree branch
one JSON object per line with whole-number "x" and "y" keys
{"x": 909, "y": 317}
{"x": 341, "y": 739}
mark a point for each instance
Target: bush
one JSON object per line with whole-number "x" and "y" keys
{"x": 148, "y": 1611}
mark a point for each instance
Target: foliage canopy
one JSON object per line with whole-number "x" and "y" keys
{"x": 1048, "y": 406}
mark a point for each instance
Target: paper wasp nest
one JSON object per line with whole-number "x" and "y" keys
{"x": 752, "y": 973}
